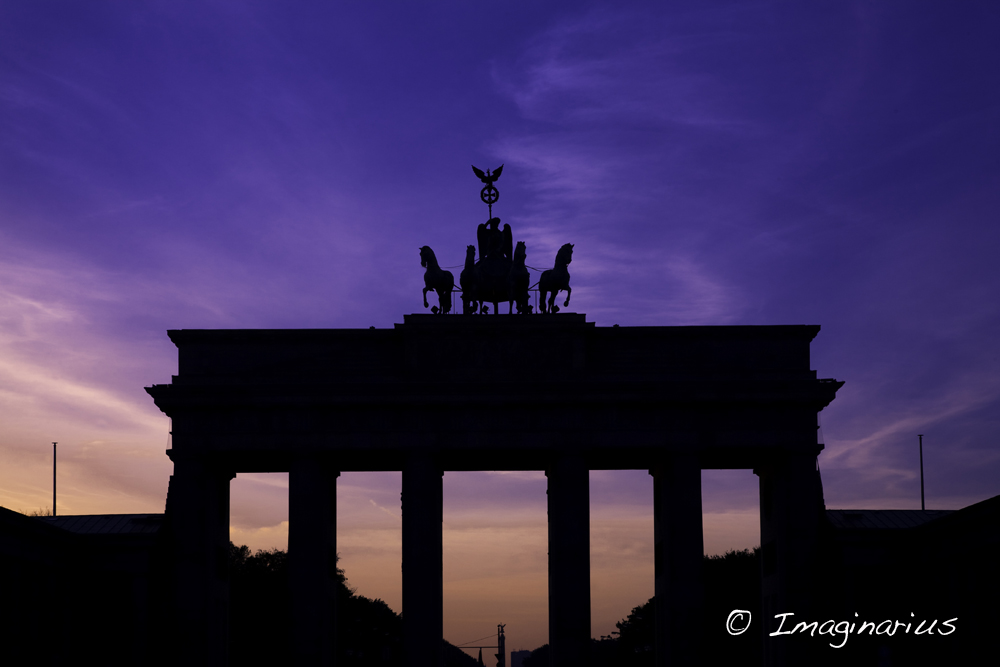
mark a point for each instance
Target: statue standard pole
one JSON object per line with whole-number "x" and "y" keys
{"x": 489, "y": 194}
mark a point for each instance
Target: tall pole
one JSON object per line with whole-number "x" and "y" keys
{"x": 54, "y": 478}
{"x": 501, "y": 646}
{"x": 921, "y": 436}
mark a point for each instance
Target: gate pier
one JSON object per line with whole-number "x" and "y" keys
{"x": 423, "y": 566}
{"x": 569, "y": 560}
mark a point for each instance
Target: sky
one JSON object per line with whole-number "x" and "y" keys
{"x": 169, "y": 165}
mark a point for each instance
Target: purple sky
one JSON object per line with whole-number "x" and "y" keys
{"x": 252, "y": 165}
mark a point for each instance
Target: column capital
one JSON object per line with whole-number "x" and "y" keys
{"x": 320, "y": 461}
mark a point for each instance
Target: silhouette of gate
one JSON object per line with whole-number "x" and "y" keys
{"x": 552, "y": 393}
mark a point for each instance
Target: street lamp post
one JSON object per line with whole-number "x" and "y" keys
{"x": 922, "y": 507}
{"x": 54, "y": 479}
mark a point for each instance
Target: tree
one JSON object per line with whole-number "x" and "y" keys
{"x": 731, "y": 581}
{"x": 369, "y": 632}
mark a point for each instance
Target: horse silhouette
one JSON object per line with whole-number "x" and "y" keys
{"x": 556, "y": 279}
{"x": 437, "y": 279}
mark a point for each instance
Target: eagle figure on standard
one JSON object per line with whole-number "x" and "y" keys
{"x": 494, "y": 243}
{"x": 487, "y": 177}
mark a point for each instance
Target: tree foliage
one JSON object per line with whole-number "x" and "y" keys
{"x": 731, "y": 581}
{"x": 369, "y": 632}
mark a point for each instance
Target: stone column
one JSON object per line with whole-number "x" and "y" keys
{"x": 790, "y": 511}
{"x": 423, "y": 602}
{"x": 569, "y": 561}
{"x": 678, "y": 552}
{"x": 312, "y": 561}
{"x": 198, "y": 514}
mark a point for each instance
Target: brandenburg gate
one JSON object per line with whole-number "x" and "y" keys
{"x": 548, "y": 392}
{"x": 478, "y": 391}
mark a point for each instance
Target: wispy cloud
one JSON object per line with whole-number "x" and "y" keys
{"x": 608, "y": 65}
{"x": 380, "y": 508}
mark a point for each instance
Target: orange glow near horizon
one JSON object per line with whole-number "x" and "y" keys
{"x": 495, "y": 541}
